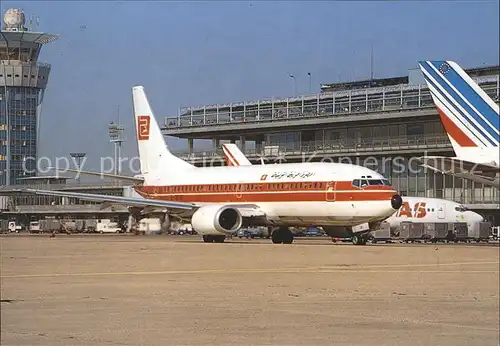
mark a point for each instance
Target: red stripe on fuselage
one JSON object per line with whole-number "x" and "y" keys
{"x": 266, "y": 192}
{"x": 455, "y": 132}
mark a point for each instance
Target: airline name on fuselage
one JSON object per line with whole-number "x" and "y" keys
{"x": 418, "y": 211}
{"x": 287, "y": 175}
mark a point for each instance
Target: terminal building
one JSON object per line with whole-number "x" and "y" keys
{"x": 384, "y": 124}
{"x": 23, "y": 80}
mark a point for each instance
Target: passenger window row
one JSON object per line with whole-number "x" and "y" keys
{"x": 240, "y": 187}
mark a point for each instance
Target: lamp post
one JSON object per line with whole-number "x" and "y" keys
{"x": 78, "y": 157}
{"x": 294, "y": 85}
{"x": 309, "y": 74}
{"x": 117, "y": 138}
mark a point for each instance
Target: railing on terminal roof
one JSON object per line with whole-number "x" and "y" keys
{"x": 23, "y": 63}
{"x": 349, "y": 145}
{"x": 76, "y": 186}
{"x": 370, "y": 100}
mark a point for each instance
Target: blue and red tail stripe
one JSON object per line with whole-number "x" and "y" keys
{"x": 484, "y": 127}
{"x": 468, "y": 93}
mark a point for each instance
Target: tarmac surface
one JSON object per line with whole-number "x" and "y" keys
{"x": 176, "y": 290}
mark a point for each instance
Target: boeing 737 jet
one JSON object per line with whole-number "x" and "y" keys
{"x": 471, "y": 120}
{"x": 219, "y": 201}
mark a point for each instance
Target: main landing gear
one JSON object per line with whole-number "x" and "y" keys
{"x": 360, "y": 239}
{"x": 214, "y": 238}
{"x": 282, "y": 236}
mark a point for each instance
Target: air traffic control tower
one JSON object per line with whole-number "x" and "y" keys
{"x": 22, "y": 84}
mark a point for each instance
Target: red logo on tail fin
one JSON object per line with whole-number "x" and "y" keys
{"x": 143, "y": 127}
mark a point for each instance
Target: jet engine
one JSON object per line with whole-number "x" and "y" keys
{"x": 216, "y": 220}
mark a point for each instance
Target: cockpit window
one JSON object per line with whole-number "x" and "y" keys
{"x": 378, "y": 182}
{"x": 461, "y": 208}
{"x": 370, "y": 182}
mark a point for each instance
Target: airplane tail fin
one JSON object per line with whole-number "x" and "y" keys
{"x": 157, "y": 162}
{"x": 234, "y": 156}
{"x": 469, "y": 116}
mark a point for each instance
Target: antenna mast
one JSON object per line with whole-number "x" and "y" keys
{"x": 371, "y": 65}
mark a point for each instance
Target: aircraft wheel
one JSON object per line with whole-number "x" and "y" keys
{"x": 219, "y": 238}
{"x": 359, "y": 240}
{"x": 355, "y": 240}
{"x": 276, "y": 237}
{"x": 282, "y": 236}
{"x": 288, "y": 237}
{"x": 208, "y": 239}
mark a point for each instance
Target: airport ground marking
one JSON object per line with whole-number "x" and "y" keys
{"x": 321, "y": 269}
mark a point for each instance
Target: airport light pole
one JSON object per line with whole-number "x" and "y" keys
{"x": 116, "y": 137}
{"x": 78, "y": 157}
{"x": 294, "y": 85}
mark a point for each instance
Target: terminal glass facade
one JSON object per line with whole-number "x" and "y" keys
{"x": 18, "y": 133}
{"x": 342, "y": 137}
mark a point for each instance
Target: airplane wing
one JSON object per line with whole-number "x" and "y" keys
{"x": 248, "y": 211}
{"x": 128, "y": 201}
{"x": 105, "y": 175}
{"x": 480, "y": 172}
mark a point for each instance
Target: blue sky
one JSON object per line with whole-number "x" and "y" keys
{"x": 191, "y": 53}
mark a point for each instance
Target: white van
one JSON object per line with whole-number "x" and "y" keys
{"x": 106, "y": 226}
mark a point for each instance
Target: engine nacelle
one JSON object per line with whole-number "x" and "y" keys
{"x": 216, "y": 220}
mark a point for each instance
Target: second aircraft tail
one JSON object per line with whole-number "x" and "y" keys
{"x": 469, "y": 116}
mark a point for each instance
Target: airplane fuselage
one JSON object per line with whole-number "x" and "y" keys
{"x": 428, "y": 210}
{"x": 289, "y": 194}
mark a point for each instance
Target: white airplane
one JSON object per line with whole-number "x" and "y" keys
{"x": 425, "y": 209}
{"x": 413, "y": 209}
{"x": 471, "y": 120}
{"x": 219, "y": 201}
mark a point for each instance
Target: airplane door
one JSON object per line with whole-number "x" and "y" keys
{"x": 441, "y": 211}
{"x": 239, "y": 189}
{"x": 330, "y": 191}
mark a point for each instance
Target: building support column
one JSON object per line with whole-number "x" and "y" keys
{"x": 131, "y": 223}
{"x": 191, "y": 145}
{"x": 215, "y": 143}
{"x": 242, "y": 143}
{"x": 258, "y": 144}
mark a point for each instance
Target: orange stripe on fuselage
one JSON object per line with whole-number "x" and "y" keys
{"x": 454, "y": 131}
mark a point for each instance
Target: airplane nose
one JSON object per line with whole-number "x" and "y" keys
{"x": 396, "y": 202}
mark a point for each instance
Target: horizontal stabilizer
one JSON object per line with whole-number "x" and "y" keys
{"x": 103, "y": 175}
{"x": 481, "y": 173}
